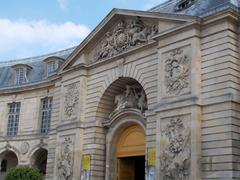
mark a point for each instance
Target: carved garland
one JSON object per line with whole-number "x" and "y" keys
{"x": 71, "y": 100}
{"x": 65, "y": 160}
{"x": 177, "y": 71}
{"x": 125, "y": 35}
{"x": 176, "y": 154}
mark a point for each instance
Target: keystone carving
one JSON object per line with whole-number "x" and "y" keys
{"x": 176, "y": 154}
{"x": 132, "y": 97}
{"x": 125, "y": 35}
{"x": 177, "y": 72}
{"x": 71, "y": 100}
{"x": 65, "y": 160}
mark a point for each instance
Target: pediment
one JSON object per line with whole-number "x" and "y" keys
{"x": 121, "y": 31}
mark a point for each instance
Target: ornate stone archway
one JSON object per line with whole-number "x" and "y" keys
{"x": 123, "y": 104}
{"x": 115, "y": 132}
{"x": 123, "y": 101}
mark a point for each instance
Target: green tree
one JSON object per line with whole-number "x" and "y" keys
{"x": 24, "y": 173}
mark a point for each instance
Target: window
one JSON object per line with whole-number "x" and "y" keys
{"x": 4, "y": 166}
{"x": 20, "y": 76}
{"x": 184, "y": 4}
{"x": 46, "y": 114}
{"x": 52, "y": 67}
{"x": 13, "y": 119}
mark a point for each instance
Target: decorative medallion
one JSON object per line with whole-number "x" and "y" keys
{"x": 175, "y": 155}
{"x": 125, "y": 35}
{"x": 71, "y": 100}
{"x": 177, "y": 73}
{"x": 24, "y": 147}
{"x": 65, "y": 160}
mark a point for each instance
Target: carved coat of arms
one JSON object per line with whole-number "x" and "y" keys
{"x": 126, "y": 34}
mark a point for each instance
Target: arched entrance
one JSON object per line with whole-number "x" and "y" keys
{"x": 39, "y": 160}
{"x": 121, "y": 111}
{"x": 8, "y": 160}
{"x": 130, "y": 154}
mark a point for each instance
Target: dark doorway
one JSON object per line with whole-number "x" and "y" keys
{"x": 131, "y": 168}
{"x": 39, "y": 160}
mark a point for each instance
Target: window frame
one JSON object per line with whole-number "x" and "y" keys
{"x": 186, "y": 3}
{"x": 52, "y": 67}
{"x": 46, "y": 115}
{"x": 13, "y": 118}
{"x": 19, "y": 75}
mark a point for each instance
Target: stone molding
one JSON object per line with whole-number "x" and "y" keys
{"x": 122, "y": 113}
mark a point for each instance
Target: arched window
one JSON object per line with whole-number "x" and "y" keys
{"x": 4, "y": 165}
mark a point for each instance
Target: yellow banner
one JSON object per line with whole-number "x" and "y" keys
{"x": 86, "y": 162}
{"x": 151, "y": 156}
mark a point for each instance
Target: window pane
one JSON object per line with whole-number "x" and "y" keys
{"x": 52, "y": 67}
{"x": 13, "y": 119}
{"x": 20, "y": 76}
{"x": 46, "y": 114}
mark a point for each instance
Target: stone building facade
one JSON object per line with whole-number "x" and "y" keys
{"x": 147, "y": 95}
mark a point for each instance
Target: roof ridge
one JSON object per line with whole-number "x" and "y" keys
{"x": 166, "y": 3}
{"x": 36, "y": 58}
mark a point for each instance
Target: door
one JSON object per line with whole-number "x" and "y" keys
{"x": 126, "y": 169}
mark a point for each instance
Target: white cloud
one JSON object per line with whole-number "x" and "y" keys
{"x": 63, "y": 4}
{"x": 22, "y": 36}
{"x": 151, "y": 3}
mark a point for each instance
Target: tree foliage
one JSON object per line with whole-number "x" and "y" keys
{"x": 24, "y": 173}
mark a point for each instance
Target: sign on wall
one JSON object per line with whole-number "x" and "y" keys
{"x": 151, "y": 169}
{"x": 151, "y": 156}
{"x": 86, "y": 167}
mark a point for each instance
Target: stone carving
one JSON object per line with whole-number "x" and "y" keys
{"x": 177, "y": 72}
{"x": 126, "y": 34}
{"x": 65, "y": 160}
{"x": 71, "y": 100}
{"x": 176, "y": 154}
{"x": 24, "y": 147}
{"x": 133, "y": 97}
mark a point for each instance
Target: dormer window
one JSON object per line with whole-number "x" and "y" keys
{"x": 20, "y": 73}
{"x": 52, "y": 64}
{"x": 184, "y": 4}
{"x": 20, "y": 76}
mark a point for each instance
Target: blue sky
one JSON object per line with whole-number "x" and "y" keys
{"x": 31, "y": 28}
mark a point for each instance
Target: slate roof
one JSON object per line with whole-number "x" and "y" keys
{"x": 35, "y": 76}
{"x": 199, "y": 8}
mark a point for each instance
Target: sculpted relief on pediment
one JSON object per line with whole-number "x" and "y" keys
{"x": 125, "y": 35}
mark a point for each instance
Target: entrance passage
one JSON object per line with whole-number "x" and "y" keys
{"x": 130, "y": 153}
{"x": 131, "y": 168}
